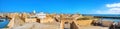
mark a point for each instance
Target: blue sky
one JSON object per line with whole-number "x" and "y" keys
{"x": 61, "y": 6}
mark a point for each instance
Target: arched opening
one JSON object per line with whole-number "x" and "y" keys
{"x": 66, "y": 25}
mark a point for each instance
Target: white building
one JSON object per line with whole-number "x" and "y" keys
{"x": 41, "y": 15}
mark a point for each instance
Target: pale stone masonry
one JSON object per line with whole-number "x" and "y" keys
{"x": 47, "y": 21}
{"x": 29, "y": 20}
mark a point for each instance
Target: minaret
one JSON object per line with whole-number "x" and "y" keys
{"x": 34, "y": 11}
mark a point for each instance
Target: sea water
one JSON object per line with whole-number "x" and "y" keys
{"x": 4, "y": 23}
{"x": 110, "y": 19}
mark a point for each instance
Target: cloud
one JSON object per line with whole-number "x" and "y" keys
{"x": 113, "y": 9}
{"x": 113, "y": 5}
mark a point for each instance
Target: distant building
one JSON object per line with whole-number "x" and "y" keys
{"x": 41, "y": 15}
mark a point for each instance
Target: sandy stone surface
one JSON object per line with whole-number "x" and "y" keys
{"x": 36, "y": 25}
{"x": 14, "y": 22}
